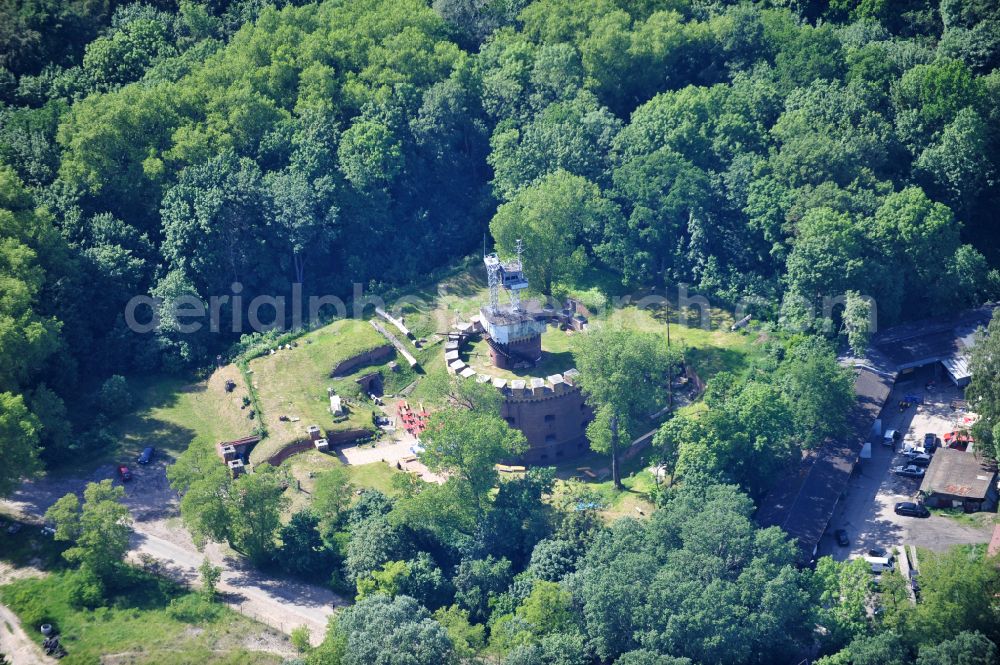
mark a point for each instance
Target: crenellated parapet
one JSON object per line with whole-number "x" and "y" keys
{"x": 551, "y": 412}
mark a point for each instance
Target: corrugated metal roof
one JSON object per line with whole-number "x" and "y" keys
{"x": 958, "y": 473}
{"x": 958, "y": 366}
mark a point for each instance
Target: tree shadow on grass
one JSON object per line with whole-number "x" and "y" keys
{"x": 135, "y": 588}
{"x": 711, "y": 361}
{"x": 29, "y": 546}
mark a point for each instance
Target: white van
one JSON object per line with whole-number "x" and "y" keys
{"x": 880, "y": 564}
{"x": 891, "y": 438}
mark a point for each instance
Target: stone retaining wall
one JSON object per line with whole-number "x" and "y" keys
{"x": 340, "y": 438}
{"x": 372, "y": 356}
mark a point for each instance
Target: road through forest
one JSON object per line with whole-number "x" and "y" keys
{"x": 279, "y": 602}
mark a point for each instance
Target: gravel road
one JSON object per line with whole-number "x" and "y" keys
{"x": 281, "y": 603}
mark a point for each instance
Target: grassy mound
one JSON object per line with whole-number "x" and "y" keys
{"x": 294, "y": 382}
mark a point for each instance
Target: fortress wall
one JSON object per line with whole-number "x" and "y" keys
{"x": 371, "y": 357}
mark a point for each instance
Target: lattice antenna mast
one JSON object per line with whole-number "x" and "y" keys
{"x": 508, "y": 275}
{"x": 513, "y": 277}
{"x": 515, "y": 300}
{"x": 492, "y": 262}
{"x": 515, "y": 293}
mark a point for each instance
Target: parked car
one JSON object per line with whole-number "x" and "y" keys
{"x": 891, "y": 438}
{"x": 912, "y": 451}
{"x": 909, "y": 471}
{"x": 124, "y": 473}
{"x": 841, "y": 536}
{"x": 147, "y": 455}
{"x": 931, "y": 442}
{"x": 920, "y": 460}
{"x": 877, "y": 551}
{"x": 912, "y": 509}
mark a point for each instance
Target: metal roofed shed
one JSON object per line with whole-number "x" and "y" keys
{"x": 958, "y": 479}
{"x": 945, "y": 340}
{"x": 957, "y": 367}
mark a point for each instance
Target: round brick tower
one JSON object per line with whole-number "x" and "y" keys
{"x": 551, "y": 412}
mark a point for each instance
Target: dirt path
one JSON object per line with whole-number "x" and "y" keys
{"x": 394, "y": 452}
{"x": 279, "y": 602}
{"x": 16, "y": 645}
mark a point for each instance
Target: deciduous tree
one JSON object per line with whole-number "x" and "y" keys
{"x": 99, "y": 529}
{"x": 553, "y": 217}
{"x": 623, "y": 374}
{"x": 468, "y": 444}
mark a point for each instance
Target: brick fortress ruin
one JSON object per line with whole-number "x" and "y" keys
{"x": 551, "y": 411}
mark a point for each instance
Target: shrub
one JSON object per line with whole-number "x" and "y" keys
{"x": 85, "y": 589}
{"x": 593, "y": 299}
{"x": 193, "y": 608}
{"x": 300, "y": 639}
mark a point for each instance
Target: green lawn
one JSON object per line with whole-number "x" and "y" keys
{"x": 557, "y": 356}
{"x": 462, "y": 293}
{"x": 294, "y": 383}
{"x": 173, "y": 413}
{"x": 434, "y": 307}
{"x": 305, "y": 466}
{"x": 979, "y": 520}
{"x": 636, "y": 479}
{"x": 709, "y": 351}
{"x": 136, "y": 625}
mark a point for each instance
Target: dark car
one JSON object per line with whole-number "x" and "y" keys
{"x": 147, "y": 455}
{"x": 124, "y": 473}
{"x": 912, "y": 509}
{"x": 931, "y": 442}
{"x": 877, "y": 551}
{"x": 922, "y": 459}
{"x": 841, "y": 536}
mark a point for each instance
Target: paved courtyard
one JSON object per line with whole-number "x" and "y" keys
{"x": 866, "y": 509}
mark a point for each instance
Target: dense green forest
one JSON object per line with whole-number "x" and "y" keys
{"x": 773, "y": 153}
{"x": 761, "y": 153}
